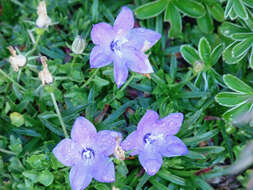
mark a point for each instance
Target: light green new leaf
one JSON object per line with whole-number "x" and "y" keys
{"x": 230, "y": 99}
{"x": 189, "y": 54}
{"x": 46, "y": 178}
{"x": 237, "y": 85}
{"x": 151, "y": 9}
{"x": 240, "y": 9}
{"x": 191, "y": 8}
{"x": 204, "y": 49}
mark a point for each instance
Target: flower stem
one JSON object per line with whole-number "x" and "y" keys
{"x": 59, "y": 115}
{"x": 7, "y": 151}
{"x": 124, "y": 86}
{"x": 9, "y": 78}
{"x": 90, "y": 79}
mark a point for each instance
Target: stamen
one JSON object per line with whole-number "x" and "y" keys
{"x": 88, "y": 153}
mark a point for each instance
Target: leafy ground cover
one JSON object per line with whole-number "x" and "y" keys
{"x": 202, "y": 68}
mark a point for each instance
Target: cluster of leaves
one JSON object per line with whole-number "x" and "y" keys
{"x": 185, "y": 80}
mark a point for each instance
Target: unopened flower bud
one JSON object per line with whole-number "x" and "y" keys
{"x": 198, "y": 67}
{"x": 115, "y": 188}
{"x": 78, "y": 45}
{"x": 43, "y": 21}
{"x": 16, "y": 60}
{"x": 44, "y": 75}
{"x": 119, "y": 153}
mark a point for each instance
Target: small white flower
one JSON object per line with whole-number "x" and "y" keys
{"x": 43, "y": 21}
{"x": 16, "y": 61}
{"x": 78, "y": 45}
{"x": 44, "y": 75}
{"x": 119, "y": 153}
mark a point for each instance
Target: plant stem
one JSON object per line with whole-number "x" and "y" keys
{"x": 7, "y": 151}
{"x": 9, "y": 78}
{"x": 59, "y": 115}
{"x": 90, "y": 79}
{"x": 124, "y": 86}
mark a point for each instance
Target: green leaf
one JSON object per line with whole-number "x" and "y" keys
{"x": 157, "y": 185}
{"x": 100, "y": 82}
{"x": 240, "y": 9}
{"x": 228, "y": 28}
{"x": 251, "y": 59}
{"x": 237, "y": 85}
{"x": 217, "y": 11}
{"x": 189, "y": 54}
{"x": 216, "y": 53}
{"x": 173, "y": 16}
{"x": 199, "y": 138}
{"x": 248, "y": 3}
{"x": 17, "y": 119}
{"x": 101, "y": 187}
{"x": 229, "y": 8}
{"x": 151, "y": 9}
{"x": 228, "y": 56}
{"x": 242, "y": 36}
{"x": 204, "y": 49}
{"x": 191, "y": 8}
{"x": 46, "y": 178}
{"x": 201, "y": 183}
{"x": 32, "y": 175}
{"x": 209, "y": 149}
{"x": 242, "y": 47}
{"x": 230, "y": 99}
{"x": 238, "y": 110}
{"x": 205, "y": 23}
{"x": 170, "y": 177}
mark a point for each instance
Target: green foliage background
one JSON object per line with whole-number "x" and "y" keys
{"x": 201, "y": 41}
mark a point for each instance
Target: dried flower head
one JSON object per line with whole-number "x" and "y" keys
{"x": 16, "y": 60}
{"x": 43, "y": 21}
{"x": 123, "y": 45}
{"x": 87, "y": 152}
{"x": 154, "y": 138}
{"x": 119, "y": 153}
{"x": 78, "y": 45}
{"x": 44, "y": 75}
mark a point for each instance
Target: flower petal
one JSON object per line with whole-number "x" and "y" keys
{"x": 170, "y": 125}
{"x": 100, "y": 57}
{"x": 80, "y": 176}
{"x": 137, "y": 61}
{"x": 132, "y": 143}
{"x": 151, "y": 161}
{"x": 142, "y": 39}
{"x": 103, "y": 170}
{"x": 67, "y": 152}
{"x": 120, "y": 71}
{"x": 173, "y": 146}
{"x": 146, "y": 123}
{"x": 124, "y": 21}
{"x": 83, "y": 131}
{"x": 106, "y": 141}
{"x": 102, "y": 34}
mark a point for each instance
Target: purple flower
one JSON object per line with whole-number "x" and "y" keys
{"x": 123, "y": 45}
{"x": 87, "y": 153}
{"x": 154, "y": 138}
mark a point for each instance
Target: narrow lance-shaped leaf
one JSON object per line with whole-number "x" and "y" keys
{"x": 236, "y": 84}
{"x": 204, "y": 49}
{"x": 191, "y": 8}
{"x": 228, "y": 28}
{"x": 251, "y": 59}
{"x": 230, "y": 99}
{"x": 242, "y": 36}
{"x": 238, "y": 110}
{"x": 189, "y": 54}
{"x": 151, "y": 9}
{"x": 228, "y": 8}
